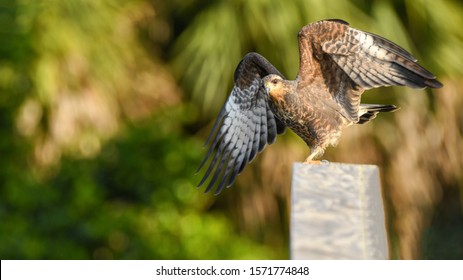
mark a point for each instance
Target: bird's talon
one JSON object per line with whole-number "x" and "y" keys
{"x": 321, "y": 162}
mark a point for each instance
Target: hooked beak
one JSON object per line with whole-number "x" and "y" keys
{"x": 263, "y": 87}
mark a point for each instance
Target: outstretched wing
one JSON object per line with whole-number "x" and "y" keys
{"x": 366, "y": 61}
{"x": 244, "y": 125}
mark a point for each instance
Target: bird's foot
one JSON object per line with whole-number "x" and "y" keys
{"x": 309, "y": 161}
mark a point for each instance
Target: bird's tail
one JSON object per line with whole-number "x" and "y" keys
{"x": 369, "y": 111}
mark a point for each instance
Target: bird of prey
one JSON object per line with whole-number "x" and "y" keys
{"x": 337, "y": 64}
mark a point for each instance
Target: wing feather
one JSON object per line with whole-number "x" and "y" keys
{"x": 366, "y": 60}
{"x": 244, "y": 127}
{"x": 380, "y": 61}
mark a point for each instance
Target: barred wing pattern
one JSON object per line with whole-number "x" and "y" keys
{"x": 244, "y": 126}
{"x": 372, "y": 61}
{"x": 366, "y": 61}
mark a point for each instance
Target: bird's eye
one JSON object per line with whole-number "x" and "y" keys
{"x": 275, "y": 81}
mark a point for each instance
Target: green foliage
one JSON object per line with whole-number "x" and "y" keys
{"x": 133, "y": 198}
{"x": 136, "y": 200}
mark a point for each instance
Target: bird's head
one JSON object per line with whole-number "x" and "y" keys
{"x": 272, "y": 84}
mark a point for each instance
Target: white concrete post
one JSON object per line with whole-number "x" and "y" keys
{"x": 337, "y": 212}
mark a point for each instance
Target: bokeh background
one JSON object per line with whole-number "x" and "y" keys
{"x": 105, "y": 106}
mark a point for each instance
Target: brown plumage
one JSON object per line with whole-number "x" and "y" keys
{"x": 337, "y": 64}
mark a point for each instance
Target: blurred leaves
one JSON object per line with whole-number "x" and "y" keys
{"x": 103, "y": 106}
{"x": 94, "y": 160}
{"x": 118, "y": 206}
{"x": 90, "y": 72}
